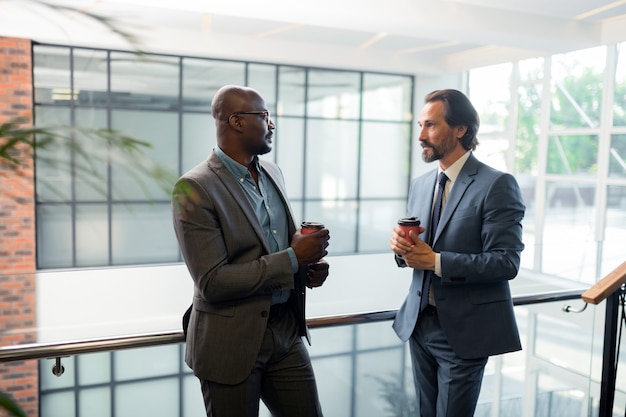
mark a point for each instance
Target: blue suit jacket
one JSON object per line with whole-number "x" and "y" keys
{"x": 479, "y": 237}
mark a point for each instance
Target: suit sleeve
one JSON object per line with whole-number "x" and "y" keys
{"x": 226, "y": 260}
{"x": 488, "y": 241}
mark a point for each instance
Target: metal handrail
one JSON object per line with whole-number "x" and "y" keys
{"x": 78, "y": 347}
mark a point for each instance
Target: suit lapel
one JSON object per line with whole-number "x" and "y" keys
{"x": 239, "y": 196}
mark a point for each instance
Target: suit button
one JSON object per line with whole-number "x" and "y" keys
{"x": 264, "y": 313}
{"x": 419, "y": 293}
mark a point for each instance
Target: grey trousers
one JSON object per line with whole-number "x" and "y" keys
{"x": 282, "y": 377}
{"x": 446, "y": 385}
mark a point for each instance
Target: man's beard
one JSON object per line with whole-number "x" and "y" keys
{"x": 437, "y": 152}
{"x": 430, "y": 157}
{"x": 260, "y": 148}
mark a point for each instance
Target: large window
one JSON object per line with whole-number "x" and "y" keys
{"x": 343, "y": 141}
{"x": 564, "y": 118}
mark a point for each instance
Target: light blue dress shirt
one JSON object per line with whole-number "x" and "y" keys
{"x": 269, "y": 209}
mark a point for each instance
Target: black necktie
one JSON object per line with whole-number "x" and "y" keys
{"x": 443, "y": 178}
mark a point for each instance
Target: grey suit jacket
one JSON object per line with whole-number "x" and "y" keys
{"x": 479, "y": 237}
{"x": 233, "y": 271}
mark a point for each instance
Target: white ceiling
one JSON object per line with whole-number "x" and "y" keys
{"x": 410, "y": 36}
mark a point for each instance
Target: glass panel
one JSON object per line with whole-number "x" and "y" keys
{"x": 141, "y": 233}
{"x": 54, "y": 236}
{"x": 575, "y": 371}
{"x": 334, "y": 385}
{"x": 526, "y": 155}
{"x": 563, "y": 342}
{"x": 573, "y": 154}
{"x": 291, "y": 91}
{"x": 340, "y": 218}
{"x": 91, "y": 160}
{"x": 193, "y": 404}
{"x": 376, "y": 222}
{"x": 387, "y": 97}
{"x": 619, "y": 98}
{"x": 503, "y": 385}
{"x": 617, "y": 156}
{"x": 342, "y": 341}
{"x": 569, "y": 244}
{"x": 263, "y": 78}
{"x": 556, "y": 398}
{"x": 577, "y": 88}
{"x": 615, "y": 229}
{"x": 289, "y": 153}
{"x": 203, "y": 77}
{"x": 53, "y": 156}
{"x": 361, "y": 370}
{"x": 391, "y": 180}
{"x": 333, "y": 94}
{"x": 95, "y": 402}
{"x": 132, "y": 177}
{"x": 144, "y": 81}
{"x": 379, "y": 383}
{"x": 491, "y": 104}
{"x": 92, "y": 235}
{"x": 297, "y": 207}
{"x": 62, "y": 404}
{"x": 528, "y": 232}
{"x": 90, "y": 77}
{"x": 332, "y": 157}
{"x": 94, "y": 368}
{"x": 493, "y": 150}
{"x": 530, "y": 70}
{"x": 199, "y": 139}
{"x": 528, "y": 127}
{"x": 163, "y": 360}
{"x": 158, "y": 398}
{"x": 51, "y": 73}
{"x": 376, "y": 336}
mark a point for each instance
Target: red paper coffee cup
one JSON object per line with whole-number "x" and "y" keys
{"x": 310, "y": 227}
{"x": 409, "y": 223}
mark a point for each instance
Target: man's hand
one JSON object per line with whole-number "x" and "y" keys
{"x": 418, "y": 255}
{"x": 311, "y": 247}
{"x": 317, "y": 273}
{"x": 400, "y": 243}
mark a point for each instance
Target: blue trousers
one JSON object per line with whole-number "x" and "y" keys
{"x": 446, "y": 385}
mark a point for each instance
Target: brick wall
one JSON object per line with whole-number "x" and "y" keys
{"x": 17, "y": 228}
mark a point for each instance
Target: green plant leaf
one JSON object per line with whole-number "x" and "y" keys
{"x": 11, "y": 406}
{"x": 98, "y": 147}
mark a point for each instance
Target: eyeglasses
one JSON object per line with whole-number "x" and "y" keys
{"x": 266, "y": 114}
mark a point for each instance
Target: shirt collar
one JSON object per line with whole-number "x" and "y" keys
{"x": 234, "y": 167}
{"x": 454, "y": 170}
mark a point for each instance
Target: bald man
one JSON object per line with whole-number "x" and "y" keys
{"x": 250, "y": 267}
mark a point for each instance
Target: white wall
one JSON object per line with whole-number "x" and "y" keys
{"x": 92, "y": 303}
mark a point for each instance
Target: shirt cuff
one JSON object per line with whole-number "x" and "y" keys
{"x": 400, "y": 261}
{"x": 438, "y": 264}
{"x": 294, "y": 259}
